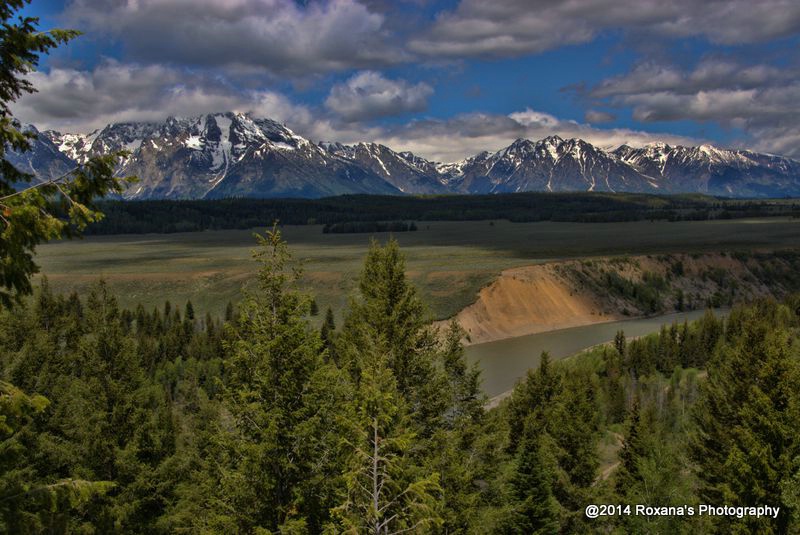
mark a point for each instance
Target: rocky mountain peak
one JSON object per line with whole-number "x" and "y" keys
{"x": 231, "y": 153}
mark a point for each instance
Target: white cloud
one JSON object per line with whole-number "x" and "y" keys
{"x": 761, "y": 100}
{"x": 515, "y": 27}
{"x": 73, "y": 100}
{"x": 279, "y": 36}
{"x": 598, "y": 116}
{"x": 368, "y": 95}
{"x": 466, "y": 135}
{"x": 80, "y": 101}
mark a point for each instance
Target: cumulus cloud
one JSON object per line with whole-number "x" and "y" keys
{"x": 279, "y": 36}
{"x": 80, "y": 101}
{"x": 464, "y": 135}
{"x": 761, "y": 100}
{"x": 709, "y": 74}
{"x": 368, "y": 95}
{"x": 598, "y": 116}
{"x": 514, "y": 27}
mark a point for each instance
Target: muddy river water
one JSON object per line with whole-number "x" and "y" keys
{"x": 503, "y": 362}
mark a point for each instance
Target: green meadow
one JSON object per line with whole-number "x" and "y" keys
{"x": 448, "y": 261}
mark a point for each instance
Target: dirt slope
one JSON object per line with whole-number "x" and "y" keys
{"x": 572, "y": 293}
{"x": 529, "y": 300}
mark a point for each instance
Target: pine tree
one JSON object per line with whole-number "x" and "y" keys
{"x": 466, "y": 399}
{"x": 748, "y": 430}
{"x": 386, "y": 493}
{"x": 613, "y": 385}
{"x": 32, "y": 215}
{"x": 578, "y": 441}
{"x": 273, "y": 394}
{"x": 388, "y": 313}
{"x": 620, "y": 344}
{"x": 631, "y": 453}
{"x": 536, "y": 393}
{"x": 189, "y": 312}
{"x": 536, "y": 511}
{"x": 457, "y": 452}
{"x": 327, "y": 333}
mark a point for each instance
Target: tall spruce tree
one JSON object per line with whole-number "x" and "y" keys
{"x": 28, "y": 216}
{"x": 748, "y": 424}
{"x": 388, "y": 313}
{"x": 631, "y": 453}
{"x": 327, "y": 333}
{"x": 537, "y": 392}
{"x": 456, "y": 451}
{"x": 271, "y": 442}
{"x": 536, "y": 511}
{"x": 387, "y": 491}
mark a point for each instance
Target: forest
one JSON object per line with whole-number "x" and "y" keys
{"x": 169, "y": 420}
{"x": 162, "y": 421}
{"x": 166, "y": 216}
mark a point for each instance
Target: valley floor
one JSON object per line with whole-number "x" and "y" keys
{"x": 449, "y": 262}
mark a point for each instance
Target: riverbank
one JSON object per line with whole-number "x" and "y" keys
{"x": 574, "y": 293}
{"x": 504, "y": 362}
{"x": 529, "y": 300}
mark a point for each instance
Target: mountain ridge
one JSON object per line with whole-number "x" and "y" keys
{"x": 237, "y": 155}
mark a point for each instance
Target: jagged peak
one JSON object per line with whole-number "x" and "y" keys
{"x": 554, "y": 139}
{"x": 657, "y": 145}
{"x": 521, "y": 142}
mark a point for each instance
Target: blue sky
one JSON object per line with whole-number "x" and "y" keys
{"x": 443, "y": 79}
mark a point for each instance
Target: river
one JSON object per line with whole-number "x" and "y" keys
{"x": 505, "y": 361}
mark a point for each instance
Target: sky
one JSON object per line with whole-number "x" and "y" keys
{"x": 443, "y": 79}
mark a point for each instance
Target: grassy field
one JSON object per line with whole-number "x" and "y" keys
{"x": 448, "y": 261}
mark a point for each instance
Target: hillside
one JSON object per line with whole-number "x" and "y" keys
{"x": 571, "y": 293}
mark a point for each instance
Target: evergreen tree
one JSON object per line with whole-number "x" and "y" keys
{"x": 619, "y": 343}
{"x": 536, "y": 511}
{"x": 386, "y": 493}
{"x": 189, "y": 311}
{"x": 536, "y": 393}
{"x": 272, "y": 390}
{"x": 612, "y": 384}
{"x": 457, "y": 450}
{"x": 631, "y": 453}
{"x": 578, "y": 441}
{"x": 748, "y": 430}
{"x": 465, "y": 397}
{"x": 327, "y": 333}
{"x": 389, "y": 312}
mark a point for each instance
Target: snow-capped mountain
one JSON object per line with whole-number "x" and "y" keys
{"x": 405, "y": 171}
{"x": 551, "y": 164}
{"x": 234, "y": 154}
{"x": 112, "y": 138}
{"x": 222, "y": 155}
{"x": 707, "y": 169}
{"x": 43, "y": 160}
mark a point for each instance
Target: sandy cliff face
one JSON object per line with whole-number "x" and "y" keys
{"x": 572, "y": 293}
{"x": 529, "y": 300}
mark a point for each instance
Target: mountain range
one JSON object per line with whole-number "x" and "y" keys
{"x": 237, "y": 155}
